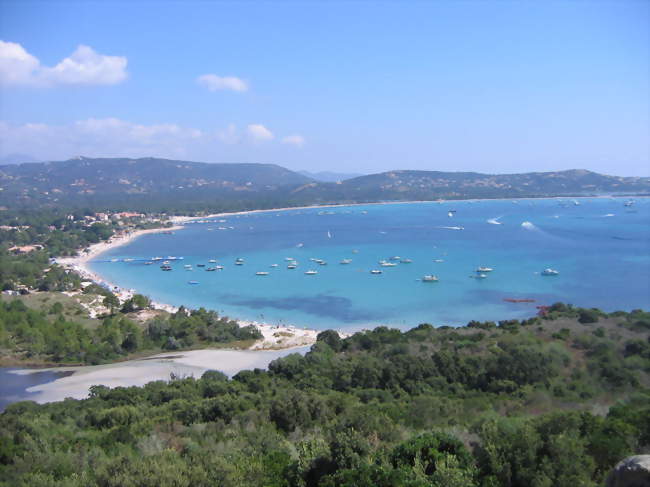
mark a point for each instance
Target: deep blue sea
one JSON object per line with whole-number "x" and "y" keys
{"x": 600, "y": 248}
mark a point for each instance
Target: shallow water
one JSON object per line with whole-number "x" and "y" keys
{"x": 600, "y": 247}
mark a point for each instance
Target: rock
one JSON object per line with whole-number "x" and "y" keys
{"x": 631, "y": 472}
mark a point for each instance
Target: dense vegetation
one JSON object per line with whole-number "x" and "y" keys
{"x": 151, "y": 184}
{"x": 551, "y": 401}
{"x": 36, "y": 335}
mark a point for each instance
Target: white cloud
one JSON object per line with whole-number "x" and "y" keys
{"x": 113, "y": 137}
{"x": 297, "y": 140}
{"x": 83, "y": 67}
{"x": 259, "y": 133}
{"x": 17, "y": 66}
{"x": 214, "y": 83}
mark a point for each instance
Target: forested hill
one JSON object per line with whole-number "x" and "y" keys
{"x": 162, "y": 184}
{"x": 549, "y": 401}
{"x": 429, "y": 185}
{"x": 104, "y": 181}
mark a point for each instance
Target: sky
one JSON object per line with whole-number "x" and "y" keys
{"x": 362, "y": 87}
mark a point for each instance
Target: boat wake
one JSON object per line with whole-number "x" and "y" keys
{"x": 530, "y": 226}
{"x": 452, "y": 228}
{"x": 495, "y": 221}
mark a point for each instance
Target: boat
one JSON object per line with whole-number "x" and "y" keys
{"x": 289, "y": 259}
{"x": 200, "y": 265}
{"x": 156, "y": 258}
{"x": 550, "y": 272}
{"x": 429, "y": 278}
{"x": 115, "y": 260}
{"x": 329, "y": 235}
{"x": 166, "y": 267}
{"x": 193, "y": 282}
{"x": 375, "y": 271}
{"x": 479, "y": 276}
{"x": 396, "y": 257}
{"x": 322, "y": 262}
{"x": 292, "y": 266}
{"x": 388, "y": 264}
{"x": 239, "y": 261}
{"x": 148, "y": 263}
{"x": 212, "y": 261}
{"x": 127, "y": 260}
{"x": 406, "y": 261}
{"x": 311, "y": 273}
{"x": 355, "y": 251}
{"x": 484, "y": 269}
{"x": 439, "y": 261}
{"x": 188, "y": 266}
{"x": 274, "y": 265}
{"x": 628, "y": 203}
{"x": 218, "y": 267}
{"x": 346, "y": 261}
{"x": 262, "y": 273}
{"x": 211, "y": 269}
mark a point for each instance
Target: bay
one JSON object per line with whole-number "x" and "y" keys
{"x": 600, "y": 247}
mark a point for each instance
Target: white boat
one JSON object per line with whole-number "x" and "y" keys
{"x": 188, "y": 266}
{"x": 550, "y": 272}
{"x": 388, "y": 264}
{"x": 128, "y": 260}
{"x": 156, "y": 258}
{"x": 439, "y": 261}
{"x": 429, "y": 278}
{"x": 396, "y": 257}
{"x": 346, "y": 261}
{"x": 628, "y": 203}
{"x": 212, "y": 261}
{"x": 292, "y": 266}
{"x": 375, "y": 271}
{"x": 289, "y": 259}
{"x": 329, "y": 235}
{"x": 115, "y": 260}
{"x": 484, "y": 269}
{"x": 479, "y": 276}
{"x": 311, "y": 273}
{"x": 274, "y": 265}
{"x": 262, "y": 273}
{"x": 406, "y": 261}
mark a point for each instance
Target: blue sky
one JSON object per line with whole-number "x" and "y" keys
{"x": 346, "y": 86}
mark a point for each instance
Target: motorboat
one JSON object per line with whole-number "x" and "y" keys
{"x": 484, "y": 269}
{"x": 388, "y": 264}
{"x": 429, "y": 278}
{"x": 550, "y": 272}
{"x": 311, "y": 273}
{"x": 406, "y": 261}
{"x": 262, "y": 273}
{"x": 292, "y": 266}
{"x": 375, "y": 271}
{"x": 346, "y": 261}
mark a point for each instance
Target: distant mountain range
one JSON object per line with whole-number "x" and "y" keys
{"x": 330, "y": 177}
{"x": 162, "y": 184}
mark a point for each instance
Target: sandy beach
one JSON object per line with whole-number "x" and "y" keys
{"x": 275, "y": 337}
{"x": 158, "y": 367}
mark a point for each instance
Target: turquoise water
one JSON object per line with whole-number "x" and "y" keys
{"x": 600, "y": 248}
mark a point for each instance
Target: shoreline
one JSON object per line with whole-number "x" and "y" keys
{"x": 272, "y": 333}
{"x": 275, "y": 337}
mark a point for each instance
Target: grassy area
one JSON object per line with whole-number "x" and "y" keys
{"x": 72, "y": 310}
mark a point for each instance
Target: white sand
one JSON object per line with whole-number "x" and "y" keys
{"x": 140, "y": 372}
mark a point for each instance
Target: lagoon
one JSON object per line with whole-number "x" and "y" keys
{"x": 600, "y": 247}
